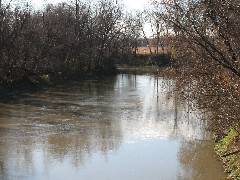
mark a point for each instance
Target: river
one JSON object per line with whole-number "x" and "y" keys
{"x": 126, "y": 127}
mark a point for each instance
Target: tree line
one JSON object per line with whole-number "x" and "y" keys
{"x": 67, "y": 37}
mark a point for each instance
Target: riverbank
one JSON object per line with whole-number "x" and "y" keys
{"x": 227, "y": 150}
{"x": 153, "y": 70}
{"x": 37, "y": 82}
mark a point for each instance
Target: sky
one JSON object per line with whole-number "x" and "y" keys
{"x": 130, "y": 4}
{"x": 135, "y": 4}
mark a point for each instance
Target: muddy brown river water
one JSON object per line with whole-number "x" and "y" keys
{"x": 114, "y": 128}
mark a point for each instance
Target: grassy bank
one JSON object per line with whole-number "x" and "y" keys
{"x": 228, "y": 151}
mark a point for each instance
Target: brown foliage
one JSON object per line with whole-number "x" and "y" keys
{"x": 61, "y": 38}
{"x": 205, "y": 36}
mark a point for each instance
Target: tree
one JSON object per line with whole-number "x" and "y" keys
{"x": 205, "y": 38}
{"x": 68, "y": 38}
{"x": 209, "y": 29}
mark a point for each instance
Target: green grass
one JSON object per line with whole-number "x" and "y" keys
{"x": 227, "y": 150}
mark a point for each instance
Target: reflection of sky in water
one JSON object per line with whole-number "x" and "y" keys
{"x": 142, "y": 160}
{"x": 117, "y": 128}
{"x": 155, "y": 115}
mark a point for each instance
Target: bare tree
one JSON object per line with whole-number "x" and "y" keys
{"x": 209, "y": 27}
{"x": 70, "y": 38}
{"x": 205, "y": 39}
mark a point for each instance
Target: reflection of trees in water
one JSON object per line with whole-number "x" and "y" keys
{"x": 2, "y": 168}
{"x": 70, "y": 122}
{"x": 196, "y": 152}
{"x": 187, "y": 120}
{"x": 216, "y": 98}
{"x": 200, "y": 94}
{"x": 79, "y": 148}
{"x": 196, "y": 158}
{"x": 156, "y": 108}
{"x": 76, "y": 121}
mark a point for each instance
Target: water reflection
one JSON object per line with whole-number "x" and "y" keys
{"x": 196, "y": 160}
{"x": 113, "y": 128}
